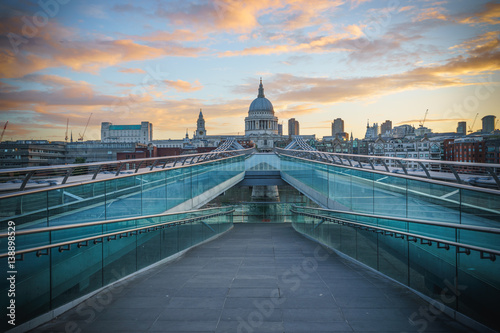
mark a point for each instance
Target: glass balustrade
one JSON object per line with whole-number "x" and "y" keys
{"x": 94, "y": 255}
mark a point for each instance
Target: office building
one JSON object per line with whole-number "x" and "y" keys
{"x": 337, "y": 127}
{"x": 462, "y": 128}
{"x": 488, "y": 124}
{"x": 293, "y": 127}
{"x": 142, "y": 133}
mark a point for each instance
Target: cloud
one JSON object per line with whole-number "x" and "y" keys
{"x": 177, "y": 35}
{"x": 433, "y": 13}
{"x": 132, "y": 70}
{"x": 127, "y": 8}
{"x": 484, "y": 43}
{"x": 245, "y": 16}
{"x": 57, "y": 46}
{"x": 489, "y": 14}
{"x": 183, "y": 86}
{"x": 356, "y": 3}
{"x": 59, "y": 91}
{"x": 295, "y": 89}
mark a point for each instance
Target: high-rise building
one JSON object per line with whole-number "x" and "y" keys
{"x": 293, "y": 127}
{"x": 280, "y": 129}
{"x": 462, "y": 127}
{"x": 337, "y": 127}
{"x": 488, "y": 124}
{"x": 142, "y": 133}
{"x": 386, "y": 127}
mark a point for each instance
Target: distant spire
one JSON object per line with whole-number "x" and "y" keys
{"x": 201, "y": 114}
{"x": 368, "y": 123}
{"x": 261, "y": 90}
{"x": 187, "y": 135}
{"x": 71, "y": 135}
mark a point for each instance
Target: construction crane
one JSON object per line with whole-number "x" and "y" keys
{"x": 66, "y": 135}
{"x": 472, "y": 127}
{"x": 83, "y": 135}
{"x": 425, "y": 117}
{"x": 3, "y": 132}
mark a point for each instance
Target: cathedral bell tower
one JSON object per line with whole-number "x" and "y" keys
{"x": 201, "y": 132}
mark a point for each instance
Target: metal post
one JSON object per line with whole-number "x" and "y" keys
{"x": 26, "y": 178}
{"x": 68, "y": 173}
{"x": 402, "y": 166}
{"x": 425, "y": 169}
{"x": 494, "y": 175}
{"x": 99, "y": 168}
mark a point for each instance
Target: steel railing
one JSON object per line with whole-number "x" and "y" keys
{"x": 485, "y": 253}
{"x": 20, "y": 179}
{"x": 80, "y": 242}
{"x": 458, "y": 172}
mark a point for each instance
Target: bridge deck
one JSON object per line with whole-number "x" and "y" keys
{"x": 255, "y": 278}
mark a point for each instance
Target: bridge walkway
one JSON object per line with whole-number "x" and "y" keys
{"x": 255, "y": 278}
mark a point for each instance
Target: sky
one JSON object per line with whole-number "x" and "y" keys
{"x": 63, "y": 61}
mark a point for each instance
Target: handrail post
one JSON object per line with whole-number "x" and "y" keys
{"x": 425, "y": 169}
{"x": 26, "y": 179}
{"x": 402, "y": 166}
{"x": 99, "y": 168}
{"x": 68, "y": 173}
{"x": 455, "y": 173}
{"x": 494, "y": 175}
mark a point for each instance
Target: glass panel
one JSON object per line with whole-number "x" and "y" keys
{"x": 28, "y": 211}
{"x": 123, "y": 197}
{"x": 148, "y": 248}
{"x": 393, "y": 257}
{"x": 32, "y": 285}
{"x": 75, "y": 273}
{"x": 480, "y": 208}
{"x": 342, "y": 188}
{"x": 76, "y": 204}
{"x": 366, "y": 247}
{"x": 433, "y": 202}
{"x": 389, "y": 195}
{"x": 362, "y": 191}
{"x": 154, "y": 193}
{"x": 478, "y": 288}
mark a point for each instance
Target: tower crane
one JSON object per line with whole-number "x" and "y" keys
{"x": 66, "y": 135}
{"x": 82, "y": 135}
{"x": 425, "y": 117}
{"x": 3, "y": 131}
{"x": 472, "y": 127}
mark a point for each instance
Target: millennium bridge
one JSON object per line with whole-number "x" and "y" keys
{"x": 214, "y": 243}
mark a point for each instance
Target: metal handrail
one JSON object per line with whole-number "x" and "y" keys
{"x": 403, "y": 219}
{"x": 406, "y": 176}
{"x": 410, "y": 236}
{"x": 483, "y": 165}
{"x": 95, "y": 223}
{"x": 117, "y": 175}
{"x": 108, "y": 235}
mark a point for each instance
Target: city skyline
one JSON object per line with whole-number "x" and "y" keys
{"x": 163, "y": 61}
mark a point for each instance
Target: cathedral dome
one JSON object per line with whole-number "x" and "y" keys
{"x": 261, "y": 103}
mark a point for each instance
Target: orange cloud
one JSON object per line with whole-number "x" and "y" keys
{"x": 132, "y": 70}
{"x": 434, "y": 13}
{"x": 490, "y": 14}
{"x": 183, "y": 86}
{"x": 56, "y": 46}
